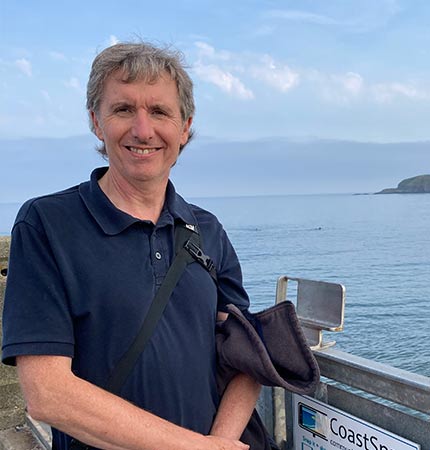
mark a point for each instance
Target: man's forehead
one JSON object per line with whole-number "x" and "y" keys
{"x": 148, "y": 77}
{"x": 114, "y": 93}
{"x": 123, "y": 79}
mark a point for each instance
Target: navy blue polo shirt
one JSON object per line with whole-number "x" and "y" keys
{"x": 81, "y": 277}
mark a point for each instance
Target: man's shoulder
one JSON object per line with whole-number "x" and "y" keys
{"x": 188, "y": 211}
{"x": 55, "y": 203}
{"x": 204, "y": 216}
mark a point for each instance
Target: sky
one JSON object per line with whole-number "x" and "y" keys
{"x": 333, "y": 69}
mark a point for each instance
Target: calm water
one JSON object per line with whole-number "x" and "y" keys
{"x": 377, "y": 246}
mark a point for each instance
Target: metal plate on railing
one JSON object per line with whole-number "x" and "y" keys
{"x": 320, "y": 305}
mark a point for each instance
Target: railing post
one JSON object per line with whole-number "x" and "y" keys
{"x": 279, "y": 416}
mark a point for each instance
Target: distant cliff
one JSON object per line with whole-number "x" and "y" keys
{"x": 415, "y": 185}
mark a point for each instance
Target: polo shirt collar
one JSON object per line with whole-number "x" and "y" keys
{"x": 113, "y": 221}
{"x": 178, "y": 207}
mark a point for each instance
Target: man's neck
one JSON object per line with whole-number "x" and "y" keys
{"x": 141, "y": 200}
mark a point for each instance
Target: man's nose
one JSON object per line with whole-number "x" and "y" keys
{"x": 142, "y": 127}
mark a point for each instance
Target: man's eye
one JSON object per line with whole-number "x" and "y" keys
{"x": 123, "y": 110}
{"x": 159, "y": 112}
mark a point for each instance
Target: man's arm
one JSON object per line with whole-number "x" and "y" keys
{"x": 56, "y": 396}
{"x": 237, "y": 404}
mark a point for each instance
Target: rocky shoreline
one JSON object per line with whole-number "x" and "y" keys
{"x": 415, "y": 185}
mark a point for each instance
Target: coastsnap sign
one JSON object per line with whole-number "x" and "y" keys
{"x": 318, "y": 426}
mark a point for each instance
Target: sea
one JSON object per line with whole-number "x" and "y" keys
{"x": 377, "y": 246}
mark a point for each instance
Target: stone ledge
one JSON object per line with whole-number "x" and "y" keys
{"x": 11, "y": 417}
{"x": 8, "y": 375}
{"x": 19, "y": 438}
{"x": 11, "y": 398}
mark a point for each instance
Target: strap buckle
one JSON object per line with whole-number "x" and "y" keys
{"x": 196, "y": 252}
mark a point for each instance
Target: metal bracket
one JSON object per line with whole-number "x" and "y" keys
{"x": 320, "y": 306}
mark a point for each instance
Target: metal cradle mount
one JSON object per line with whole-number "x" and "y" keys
{"x": 320, "y": 306}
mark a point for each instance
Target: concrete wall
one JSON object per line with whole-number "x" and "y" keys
{"x": 11, "y": 402}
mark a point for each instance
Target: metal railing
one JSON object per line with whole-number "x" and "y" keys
{"x": 399, "y": 400}
{"x": 392, "y": 399}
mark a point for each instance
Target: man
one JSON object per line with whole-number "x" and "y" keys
{"x": 86, "y": 263}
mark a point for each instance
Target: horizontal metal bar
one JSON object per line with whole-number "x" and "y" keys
{"x": 386, "y": 417}
{"x": 399, "y": 386}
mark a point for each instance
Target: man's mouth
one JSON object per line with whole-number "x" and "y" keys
{"x": 141, "y": 151}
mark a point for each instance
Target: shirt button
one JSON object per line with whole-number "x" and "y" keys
{"x": 158, "y": 255}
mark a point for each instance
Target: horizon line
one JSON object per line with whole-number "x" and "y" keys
{"x": 294, "y": 139}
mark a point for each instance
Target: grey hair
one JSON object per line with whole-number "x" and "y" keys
{"x": 139, "y": 61}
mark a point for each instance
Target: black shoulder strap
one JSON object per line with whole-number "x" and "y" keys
{"x": 187, "y": 245}
{"x": 193, "y": 246}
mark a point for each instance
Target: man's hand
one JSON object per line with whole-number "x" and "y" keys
{"x": 227, "y": 444}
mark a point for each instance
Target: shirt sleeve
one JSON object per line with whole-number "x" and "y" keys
{"x": 36, "y": 317}
{"x": 230, "y": 283}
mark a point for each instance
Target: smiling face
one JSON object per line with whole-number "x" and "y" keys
{"x": 141, "y": 126}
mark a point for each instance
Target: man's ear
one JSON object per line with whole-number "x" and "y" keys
{"x": 97, "y": 129}
{"x": 186, "y": 130}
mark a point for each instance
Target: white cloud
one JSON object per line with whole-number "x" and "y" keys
{"x": 196, "y": 37}
{"x": 224, "y": 73}
{"x": 363, "y": 16}
{"x": 232, "y": 72}
{"x": 24, "y": 65}
{"x": 73, "y": 83}
{"x": 207, "y": 51}
{"x": 300, "y": 16}
{"x": 337, "y": 88}
{"x": 225, "y": 80}
{"x": 58, "y": 56}
{"x": 46, "y": 96}
{"x": 350, "y": 82}
{"x": 281, "y": 77}
{"x": 263, "y": 30}
{"x": 113, "y": 40}
{"x": 220, "y": 74}
{"x": 386, "y": 92}
{"x": 351, "y": 87}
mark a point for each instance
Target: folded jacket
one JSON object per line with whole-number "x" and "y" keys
{"x": 269, "y": 346}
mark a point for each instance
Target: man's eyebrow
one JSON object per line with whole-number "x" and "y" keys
{"x": 120, "y": 103}
{"x": 162, "y": 106}
{"x": 155, "y": 106}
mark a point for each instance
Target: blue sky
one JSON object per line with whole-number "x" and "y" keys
{"x": 343, "y": 69}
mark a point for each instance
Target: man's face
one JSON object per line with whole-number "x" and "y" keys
{"x": 141, "y": 127}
